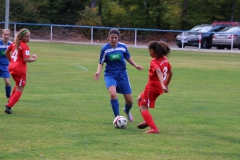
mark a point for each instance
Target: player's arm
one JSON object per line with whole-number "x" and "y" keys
{"x": 8, "y": 54}
{"x": 34, "y": 58}
{"x": 160, "y": 77}
{"x": 99, "y": 70}
{"x": 131, "y": 61}
{"x": 169, "y": 78}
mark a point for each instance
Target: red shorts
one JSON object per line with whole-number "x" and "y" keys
{"x": 150, "y": 94}
{"x": 20, "y": 80}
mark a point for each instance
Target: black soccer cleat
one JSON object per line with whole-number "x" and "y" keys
{"x": 8, "y": 110}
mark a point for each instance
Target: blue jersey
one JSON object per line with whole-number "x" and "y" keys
{"x": 3, "y": 59}
{"x": 114, "y": 57}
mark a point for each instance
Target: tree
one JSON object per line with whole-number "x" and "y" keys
{"x": 233, "y": 6}
{"x": 60, "y": 11}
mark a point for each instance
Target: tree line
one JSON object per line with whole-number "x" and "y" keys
{"x": 161, "y": 14}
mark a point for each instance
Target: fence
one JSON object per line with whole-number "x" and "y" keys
{"x": 137, "y": 37}
{"x": 91, "y": 34}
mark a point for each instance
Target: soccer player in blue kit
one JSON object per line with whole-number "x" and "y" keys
{"x": 4, "y": 43}
{"x": 116, "y": 78}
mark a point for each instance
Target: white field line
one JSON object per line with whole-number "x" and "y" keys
{"x": 75, "y": 65}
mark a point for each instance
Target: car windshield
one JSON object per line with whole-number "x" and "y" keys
{"x": 231, "y": 29}
{"x": 201, "y": 29}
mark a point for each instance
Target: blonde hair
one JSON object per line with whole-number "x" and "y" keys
{"x": 6, "y": 30}
{"x": 19, "y": 36}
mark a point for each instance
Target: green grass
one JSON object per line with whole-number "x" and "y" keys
{"x": 64, "y": 114}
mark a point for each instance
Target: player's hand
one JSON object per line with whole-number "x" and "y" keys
{"x": 165, "y": 89}
{"x": 96, "y": 76}
{"x": 139, "y": 67}
{"x": 34, "y": 56}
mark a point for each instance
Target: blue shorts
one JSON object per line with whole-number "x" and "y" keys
{"x": 4, "y": 72}
{"x": 119, "y": 79}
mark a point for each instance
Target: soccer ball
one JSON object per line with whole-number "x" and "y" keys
{"x": 120, "y": 122}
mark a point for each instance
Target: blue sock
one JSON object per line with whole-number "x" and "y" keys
{"x": 115, "y": 107}
{"x": 8, "y": 91}
{"x": 127, "y": 108}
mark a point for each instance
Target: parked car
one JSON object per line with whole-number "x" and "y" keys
{"x": 226, "y": 23}
{"x": 191, "y": 37}
{"x": 227, "y": 37}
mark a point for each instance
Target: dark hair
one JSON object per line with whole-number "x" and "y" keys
{"x": 160, "y": 48}
{"x": 114, "y": 31}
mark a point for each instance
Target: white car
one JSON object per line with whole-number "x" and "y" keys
{"x": 227, "y": 38}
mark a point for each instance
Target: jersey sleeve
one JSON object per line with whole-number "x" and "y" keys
{"x": 102, "y": 56}
{"x": 126, "y": 53}
{"x": 25, "y": 51}
{"x": 154, "y": 65}
{"x": 169, "y": 66}
{"x": 10, "y": 47}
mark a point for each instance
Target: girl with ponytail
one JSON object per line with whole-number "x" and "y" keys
{"x": 18, "y": 54}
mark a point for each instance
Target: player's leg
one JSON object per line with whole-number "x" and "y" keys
{"x": 148, "y": 99}
{"x": 6, "y": 76}
{"x": 111, "y": 84}
{"x": 16, "y": 96}
{"x": 124, "y": 87}
{"x": 142, "y": 125}
{"x": 128, "y": 106}
{"x": 148, "y": 119}
{"x": 18, "y": 89}
{"x": 113, "y": 100}
{"x": 8, "y": 87}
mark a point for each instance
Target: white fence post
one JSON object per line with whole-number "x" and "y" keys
{"x": 135, "y": 43}
{"x": 51, "y": 33}
{"x": 199, "y": 41}
{"x": 232, "y": 43}
{"x": 15, "y": 30}
{"x": 91, "y": 35}
{"x": 182, "y": 39}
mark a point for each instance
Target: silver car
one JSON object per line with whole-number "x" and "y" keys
{"x": 191, "y": 37}
{"x": 227, "y": 38}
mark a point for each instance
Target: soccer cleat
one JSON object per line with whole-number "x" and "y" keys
{"x": 8, "y": 110}
{"x": 129, "y": 115}
{"x": 153, "y": 131}
{"x": 142, "y": 125}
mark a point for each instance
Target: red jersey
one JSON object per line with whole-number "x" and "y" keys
{"x": 153, "y": 88}
{"x": 17, "y": 64}
{"x": 164, "y": 65}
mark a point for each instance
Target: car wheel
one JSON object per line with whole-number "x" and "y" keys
{"x": 229, "y": 47}
{"x": 205, "y": 44}
{"x": 220, "y": 47}
{"x": 180, "y": 45}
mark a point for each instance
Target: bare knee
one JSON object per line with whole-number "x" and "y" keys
{"x": 7, "y": 81}
{"x": 143, "y": 108}
{"x": 113, "y": 96}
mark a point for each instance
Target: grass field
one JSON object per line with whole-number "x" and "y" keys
{"x": 64, "y": 114}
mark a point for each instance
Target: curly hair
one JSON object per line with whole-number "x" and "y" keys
{"x": 160, "y": 48}
{"x": 19, "y": 36}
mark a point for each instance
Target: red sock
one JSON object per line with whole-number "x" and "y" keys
{"x": 148, "y": 119}
{"x": 14, "y": 99}
{"x": 13, "y": 91}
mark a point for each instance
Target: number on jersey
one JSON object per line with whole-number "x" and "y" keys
{"x": 14, "y": 55}
{"x": 165, "y": 71}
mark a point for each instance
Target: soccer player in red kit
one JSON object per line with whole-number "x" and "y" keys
{"x": 160, "y": 75}
{"x": 18, "y": 55}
